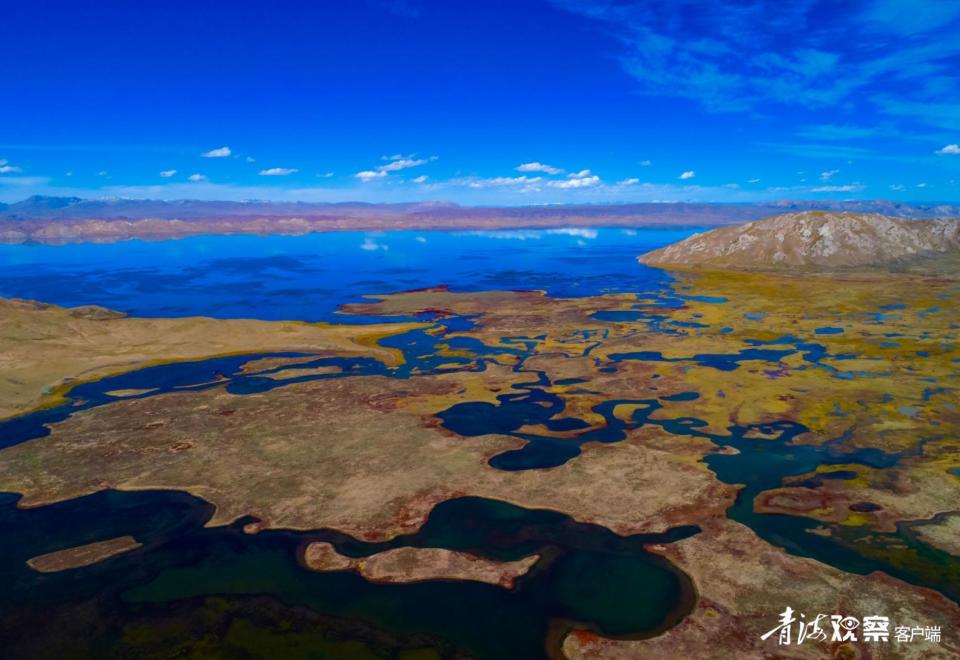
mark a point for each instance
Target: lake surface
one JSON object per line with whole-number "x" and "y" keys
{"x": 308, "y": 277}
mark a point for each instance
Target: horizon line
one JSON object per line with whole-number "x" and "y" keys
{"x": 447, "y": 202}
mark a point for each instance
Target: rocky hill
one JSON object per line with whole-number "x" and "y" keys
{"x": 815, "y": 240}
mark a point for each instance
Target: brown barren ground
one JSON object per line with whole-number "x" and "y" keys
{"x": 351, "y": 454}
{"x": 82, "y": 555}
{"x": 745, "y": 584}
{"x": 418, "y": 564}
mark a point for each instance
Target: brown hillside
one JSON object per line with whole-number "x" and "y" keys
{"x": 812, "y": 239}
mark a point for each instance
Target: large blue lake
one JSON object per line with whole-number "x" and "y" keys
{"x": 307, "y": 277}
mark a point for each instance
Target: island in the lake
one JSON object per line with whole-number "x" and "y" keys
{"x": 502, "y": 473}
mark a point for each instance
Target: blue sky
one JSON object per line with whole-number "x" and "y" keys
{"x": 481, "y": 102}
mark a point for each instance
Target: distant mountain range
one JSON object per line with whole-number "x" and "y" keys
{"x": 42, "y": 207}
{"x": 817, "y": 240}
{"x": 77, "y": 208}
{"x": 65, "y": 219}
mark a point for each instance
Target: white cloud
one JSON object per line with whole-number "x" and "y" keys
{"x": 370, "y": 175}
{"x": 500, "y": 181}
{"x": 779, "y": 64}
{"x": 689, "y": 174}
{"x": 829, "y": 174}
{"x": 854, "y": 187}
{"x": 536, "y": 166}
{"x": 753, "y": 180}
{"x": 34, "y": 184}
{"x": 580, "y": 182}
{"x": 279, "y": 171}
{"x": 8, "y": 169}
{"x": 396, "y": 163}
{"x": 325, "y": 175}
{"x": 402, "y": 164}
{"x": 897, "y": 186}
{"x": 197, "y": 177}
{"x": 222, "y": 152}
{"x": 421, "y": 179}
{"x": 584, "y": 182}
{"x": 581, "y": 179}
{"x": 921, "y": 185}
{"x": 103, "y": 173}
{"x": 250, "y": 159}
{"x": 399, "y": 162}
{"x": 166, "y": 174}
{"x": 421, "y": 239}
{"x": 70, "y": 173}
{"x": 949, "y": 150}
{"x": 629, "y": 182}
{"x": 646, "y": 163}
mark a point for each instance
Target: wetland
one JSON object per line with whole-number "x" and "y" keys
{"x": 539, "y": 393}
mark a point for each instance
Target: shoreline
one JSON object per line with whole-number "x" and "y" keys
{"x": 65, "y": 232}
